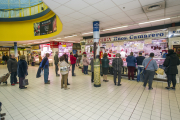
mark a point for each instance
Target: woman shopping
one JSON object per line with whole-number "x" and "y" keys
{"x": 105, "y": 67}
{"x": 131, "y": 64}
{"x": 85, "y": 64}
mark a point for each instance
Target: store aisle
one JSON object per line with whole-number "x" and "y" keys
{"x": 85, "y": 102}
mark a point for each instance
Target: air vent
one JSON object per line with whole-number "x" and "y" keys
{"x": 154, "y": 7}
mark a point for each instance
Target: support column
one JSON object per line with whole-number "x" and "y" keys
{"x": 96, "y": 37}
{"x": 15, "y": 50}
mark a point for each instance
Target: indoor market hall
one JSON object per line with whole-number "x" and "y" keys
{"x": 90, "y": 60}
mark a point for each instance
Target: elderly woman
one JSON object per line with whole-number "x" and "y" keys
{"x": 117, "y": 65}
{"x": 22, "y": 71}
{"x": 85, "y": 64}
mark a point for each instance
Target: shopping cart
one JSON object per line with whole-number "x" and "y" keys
{"x": 4, "y": 78}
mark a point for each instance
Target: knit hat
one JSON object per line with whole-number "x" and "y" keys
{"x": 170, "y": 51}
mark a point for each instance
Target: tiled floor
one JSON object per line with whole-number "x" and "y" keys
{"x": 85, "y": 102}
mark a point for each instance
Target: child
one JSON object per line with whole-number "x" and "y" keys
{"x": 64, "y": 69}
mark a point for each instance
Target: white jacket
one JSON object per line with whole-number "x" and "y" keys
{"x": 64, "y": 67}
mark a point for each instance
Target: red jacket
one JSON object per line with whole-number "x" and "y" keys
{"x": 72, "y": 59}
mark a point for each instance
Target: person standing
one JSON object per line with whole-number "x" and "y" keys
{"x": 92, "y": 70}
{"x": 66, "y": 57}
{"x": 56, "y": 61}
{"x": 73, "y": 62}
{"x": 171, "y": 63}
{"x": 131, "y": 64}
{"x": 45, "y": 65}
{"x": 150, "y": 66}
{"x": 7, "y": 57}
{"x": 64, "y": 69}
{"x": 105, "y": 67}
{"x": 33, "y": 60}
{"x": 12, "y": 68}
{"x": 28, "y": 58}
{"x": 117, "y": 66}
{"x": 85, "y": 64}
{"x": 22, "y": 71}
{"x": 40, "y": 58}
{"x": 140, "y": 75}
{"x": 4, "y": 59}
{"x": 76, "y": 56}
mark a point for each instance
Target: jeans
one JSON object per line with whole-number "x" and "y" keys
{"x": 21, "y": 82}
{"x": 148, "y": 76}
{"x": 73, "y": 67}
{"x": 131, "y": 72}
{"x": 140, "y": 74}
{"x": 56, "y": 69}
{"x": 46, "y": 74}
{"x": 119, "y": 76}
{"x": 85, "y": 69}
{"x": 171, "y": 78}
{"x": 13, "y": 77}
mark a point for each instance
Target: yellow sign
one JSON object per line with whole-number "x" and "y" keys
{"x": 4, "y": 49}
{"x": 35, "y": 47}
{"x": 63, "y": 45}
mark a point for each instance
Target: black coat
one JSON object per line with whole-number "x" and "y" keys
{"x": 171, "y": 62}
{"x": 22, "y": 68}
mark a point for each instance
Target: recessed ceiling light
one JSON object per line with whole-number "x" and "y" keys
{"x": 70, "y": 36}
{"x": 114, "y": 28}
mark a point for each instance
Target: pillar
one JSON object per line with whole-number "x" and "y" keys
{"x": 15, "y": 50}
{"x": 96, "y": 37}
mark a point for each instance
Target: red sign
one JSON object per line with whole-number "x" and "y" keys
{"x": 54, "y": 44}
{"x": 64, "y": 43}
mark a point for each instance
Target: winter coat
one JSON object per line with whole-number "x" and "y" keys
{"x": 22, "y": 68}
{"x": 85, "y": 61}
{"x": 56, "y": 60}
{"x": 131, "y": 61}
{"x": 4, "y": 58}
{"x": 72, "y": 59}
{"x": 12, "y": 65}
{"x": 171, "y": 62}
{"x": 105, "y": 62}
{"x": 64, "y": 67}
{"x": 117, "y": 64}
{"x": 140, "y": 60}
{"x": 92, "y": 65}
{"x": 44, "y": 63}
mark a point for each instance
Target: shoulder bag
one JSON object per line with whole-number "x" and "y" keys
{"x": 147, "y": 66}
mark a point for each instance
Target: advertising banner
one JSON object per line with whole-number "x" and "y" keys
{"x": 45, "y": 27}
{"x": 174, "y": 32}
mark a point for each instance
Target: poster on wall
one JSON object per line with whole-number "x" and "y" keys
{"x": 45, "y": 27}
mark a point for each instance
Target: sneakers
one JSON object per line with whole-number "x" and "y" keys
{"x": 119, "y": 85}
{"x": 173, "y": 88}
{"x": 68, "y": 84}
{"x": 3, "y": 114}
{"x": 13, "y": 84}
{"x": 17, "y": 83}
{"x": 48, "y": 82}
{"x": 167, "y": 88}
{"x": 23, "y": 88}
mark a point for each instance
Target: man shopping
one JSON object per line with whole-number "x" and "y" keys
{"x": 56, "y": 61}
{"x": 140, "y": 74}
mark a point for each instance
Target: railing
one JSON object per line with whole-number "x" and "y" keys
{"x": 23, "y": 12}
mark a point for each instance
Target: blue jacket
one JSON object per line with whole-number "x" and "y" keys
{"x": 152, "y": 65}
{"x": 131, "y": 61}
{"x": 140, "y": 60}
{"x": 44, "y": 63}
{"x": 22, "y": 68}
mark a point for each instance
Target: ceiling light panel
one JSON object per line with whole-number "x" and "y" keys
{"x": 155, "y": 21}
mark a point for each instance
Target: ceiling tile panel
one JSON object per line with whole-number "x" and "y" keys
{"x": 154, "y": 13}
{"x": 119, "y": 2}
{"x": 175, "y": 20}
{"x": 61, "y": 1}
{"x": 134, "y": 11}
{"x": 119, "y": 15}
{"x": 104, "y": 5}
{"x": 76, "y": 15}
{"x": 98, "y": 15}
{"x": 139, "y": 16}
{"x": 134, "y": 27}
{"x": 172, "y": 14}
{"x": 171, "y": 3}
{"x": 148, "y": 2}
{"x": 66, "y": 19}
{"x": 76, "y": 4}
{"x": 174, "y": 8}
{"x": 145, "y": 25}
{"x": 105, "y": 19}
{"x": 89, "y": 11}
{"x": 51, "y": 4}
{"x": 87, "y": 19}
{"x": 129, "y": 6}
{"x": 63, "y": 9}
{"x": 91, "y": 2}
{"x": 112, "y": 11}
{"x": 157, "y": 23}
{"x": 167, "y": 21}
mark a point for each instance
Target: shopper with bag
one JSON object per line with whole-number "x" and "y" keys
{"x": 22, "y": 71}
{"x": 12, "y": 68}
{"x": 131, "y": 64}
{"x": 85, "y": 64}
{"x": 64, "y": 69}
{"x": 73, "y": 62}
{"x": 150, "y": 66}
{"x": 45, "y": 66}
{"x": 117, "y": 66}
{"x": 105, "y": 67}
{"x": 171, "y": 62}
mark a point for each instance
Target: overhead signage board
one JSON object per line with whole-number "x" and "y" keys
{"x": 174, "y": 32}
{"x": 131, "y": 37}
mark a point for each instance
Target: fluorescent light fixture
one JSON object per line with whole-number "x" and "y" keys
{"x": 155, "y": 21}
{"x": 70, "y": 36}
{"x": 87, "y": 33}
{"x": 70, "y": 41}
{"x": 58, "y": 38}
{"x": 114, "y": 28}
{"x": 29, "y": 43}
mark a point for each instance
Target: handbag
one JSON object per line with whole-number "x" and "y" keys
{"x": 147, "y": 66}
{"x": 25, "y": 82}
{"x": 166, "y": 69}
